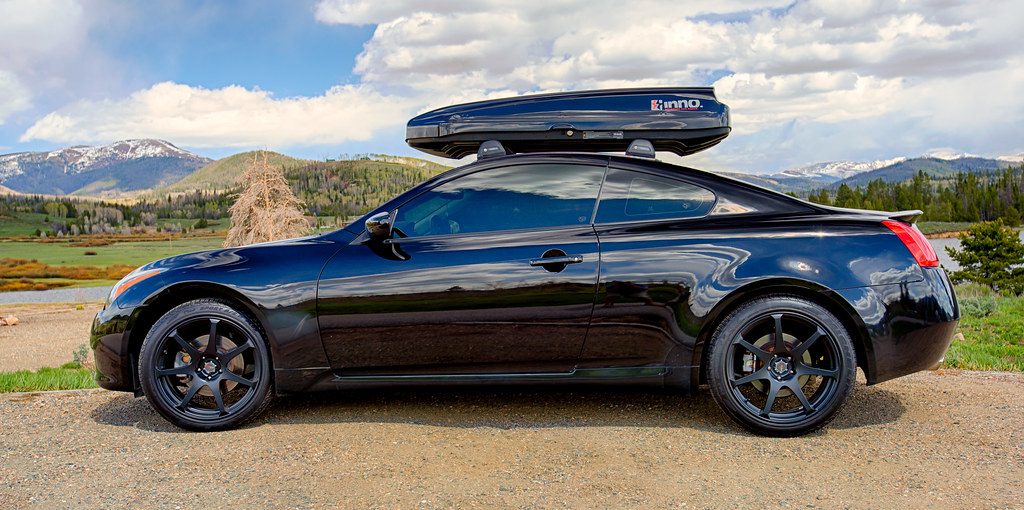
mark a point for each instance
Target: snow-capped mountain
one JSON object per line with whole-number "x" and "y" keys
{"x": 836, "y": 170}
{"x": 948, "y": 154}
{"x": 121, "y": 166}
{"x": 937, "y": 162}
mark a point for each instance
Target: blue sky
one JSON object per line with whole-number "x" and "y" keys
{"x": 808, "y": 81}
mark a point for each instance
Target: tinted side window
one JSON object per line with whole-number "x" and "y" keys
{"x": 635, "y": 196}
{"x": 507, "y": 198}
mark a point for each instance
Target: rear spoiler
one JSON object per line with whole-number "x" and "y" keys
{"x": 905, "y": 216}
{"x": 908, "y": 216}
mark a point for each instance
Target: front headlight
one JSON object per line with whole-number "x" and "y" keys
{"x": 130, "y": 279}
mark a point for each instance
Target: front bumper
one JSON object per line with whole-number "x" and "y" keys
{"x": 110, "y": 341}
{"x": 908, "y": 326}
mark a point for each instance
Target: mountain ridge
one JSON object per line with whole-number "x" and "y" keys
{"x": 933, "y": 166}
{"x": 151, "y": 166}
{"x": 122, "y": 166}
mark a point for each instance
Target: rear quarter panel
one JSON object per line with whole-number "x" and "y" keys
{"x": 663, "y": 285}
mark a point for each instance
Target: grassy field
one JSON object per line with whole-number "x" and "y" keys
{"x": 22, "y": 224}
{"x": 70, "y": 376}
{"x": 133, "y": 253}
{"x": 941, "y": 227}
{"x": 993, "y": 332}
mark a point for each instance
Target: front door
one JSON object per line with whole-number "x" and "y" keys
{"x": 492, "y": 272}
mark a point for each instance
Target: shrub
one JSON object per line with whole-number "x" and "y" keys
{"x": 977, "y": 307}
{"x": 80, "y": 356}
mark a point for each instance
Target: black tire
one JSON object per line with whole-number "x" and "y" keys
{"x": 199, "y": 387}
{"x": 771, "y": 348}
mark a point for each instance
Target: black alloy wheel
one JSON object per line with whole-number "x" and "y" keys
{"x": 204, "y": 366}
{"x": 781, "y": 365}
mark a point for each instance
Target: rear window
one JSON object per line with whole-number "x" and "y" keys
{"x": 636, "y": 196}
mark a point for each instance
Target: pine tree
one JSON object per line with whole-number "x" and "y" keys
{"x": 992, "y": 255}
{"x": 266, "y": 209}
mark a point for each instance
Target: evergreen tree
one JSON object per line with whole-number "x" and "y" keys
{"x": 993, "y": 255}
{"x": 1011, "y": 217}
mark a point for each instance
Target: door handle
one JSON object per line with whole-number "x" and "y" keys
{"x": 565, "y": 259}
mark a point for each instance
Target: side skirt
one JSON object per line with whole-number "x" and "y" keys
{"x": 328, "y": 381}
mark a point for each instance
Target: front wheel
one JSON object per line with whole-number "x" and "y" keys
{"x": 781, "y": 365}
{"x": 205, "y": 366}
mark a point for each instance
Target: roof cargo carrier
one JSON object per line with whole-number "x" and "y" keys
{"x": 681, "y": 120}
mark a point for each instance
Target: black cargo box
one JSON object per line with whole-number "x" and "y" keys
{"x": 678, "y": 120}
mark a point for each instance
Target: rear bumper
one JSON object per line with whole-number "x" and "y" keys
{"x": 115, "y": 369}
{"x": 907, "y": 326}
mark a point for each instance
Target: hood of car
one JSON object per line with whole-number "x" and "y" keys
{"x": 237, "y": 254}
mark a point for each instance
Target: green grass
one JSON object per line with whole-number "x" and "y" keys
{"x": 22, "y": 224}
{"x": 132, "y": 253}
{"x": 69, "y": 376}
{"x": 993, "y": 335}
{"x": 939, "y": 227}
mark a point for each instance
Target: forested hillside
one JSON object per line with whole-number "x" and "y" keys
{"x": 964, "y": 197}
{"x": 347, "y": 188}
{"x": 335, "y": 189}
{"x": 223, "y": 174}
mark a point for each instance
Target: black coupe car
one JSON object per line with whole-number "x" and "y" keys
{"x": 547, "y": 267}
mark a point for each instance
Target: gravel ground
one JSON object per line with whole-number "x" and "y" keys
{"x": 46, "y": 334}
{"x": 79, "y": 295}
{"x": 932, "y": 440}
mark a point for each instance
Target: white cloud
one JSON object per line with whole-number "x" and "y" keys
{"x": 33, "y": 31}
{"x": 501, "y": 43}
{"x": 808, "y": 80}
{"x": 45, "y": 45}
{"x": 14, "y": 97}
{"x": 39, "y": 27}
{"x": 801, "y": 76}
{"x": 226, "y": 117}
{"x": 759, "y": 101}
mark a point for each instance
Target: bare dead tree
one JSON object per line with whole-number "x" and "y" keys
{"x": 266, "y": 209}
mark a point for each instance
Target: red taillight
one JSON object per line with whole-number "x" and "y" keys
{"x": 915, "y": 241}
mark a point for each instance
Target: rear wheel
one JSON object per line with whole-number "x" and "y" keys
{"x": 204, "y": 366}
{"x": 781, "y": 365}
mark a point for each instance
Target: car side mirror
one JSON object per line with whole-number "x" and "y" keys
{"x": 379, "y": 226}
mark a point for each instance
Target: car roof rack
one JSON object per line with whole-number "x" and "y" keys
{"x": 681, "y": 120}
{"x": 641, "y": 148}
{"x": 491, "y": 149}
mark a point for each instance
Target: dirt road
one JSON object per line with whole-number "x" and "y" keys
{"x": 952, "y": 440}
{"x": 46, "y": 334}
